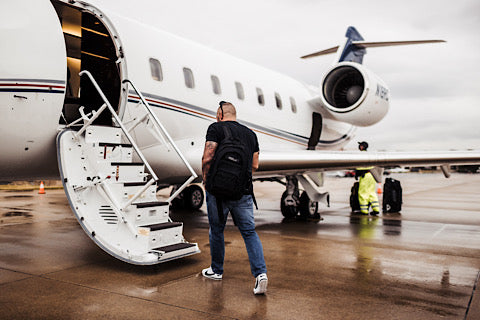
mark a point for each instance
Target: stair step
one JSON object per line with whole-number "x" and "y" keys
{"x": 161, "y": 226}
{"x": 109, "y": 144}
{"x": 127, "y": 163}
{"x": 150, "y": 204}
{"x": 134, "y": 184}
{"x": 175, "y": 247}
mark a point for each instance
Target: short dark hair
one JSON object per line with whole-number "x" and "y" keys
{"x": 221, "y": 103}
{"x": 230, "y": 109}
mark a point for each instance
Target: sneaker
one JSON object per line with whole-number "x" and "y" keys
{"x": 261, "y": 283}
{"x": 208, "y": 273}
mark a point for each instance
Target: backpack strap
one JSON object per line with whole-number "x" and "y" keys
{"x": 227, "y": 132}
{"x": 254, "y": 200}
{"x": 221, "y": 216}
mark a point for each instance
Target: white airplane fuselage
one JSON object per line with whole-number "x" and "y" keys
{"x": 34, "y": 83}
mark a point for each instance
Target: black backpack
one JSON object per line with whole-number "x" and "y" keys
{"x": 228, "y": 177}
{"x": 354, "y": 203}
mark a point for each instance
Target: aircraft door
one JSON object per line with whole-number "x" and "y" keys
{"x": 91, "y": 45}
{"x": 32, "y": 86}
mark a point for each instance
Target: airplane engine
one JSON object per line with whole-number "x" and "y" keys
{"x": 351, "y": 93}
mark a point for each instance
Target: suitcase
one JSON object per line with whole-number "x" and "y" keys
{"x": 392, "y": 196}
{"x": 354, "y": 204}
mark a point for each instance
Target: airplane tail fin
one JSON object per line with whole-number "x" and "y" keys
{"x": 355, "y": 47}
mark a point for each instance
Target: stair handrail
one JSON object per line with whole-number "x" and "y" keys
{"x": 119, "y": 122}
{"x": 157, "y": 122}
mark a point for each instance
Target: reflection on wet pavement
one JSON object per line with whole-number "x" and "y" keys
{"x": 419, "y": 264}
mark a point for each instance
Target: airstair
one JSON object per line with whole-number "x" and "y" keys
{"x": 111, "y": 187}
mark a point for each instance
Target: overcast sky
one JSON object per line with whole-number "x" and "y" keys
{"x": 435, "y": 88}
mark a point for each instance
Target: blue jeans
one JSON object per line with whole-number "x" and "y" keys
{"x": 242, "y": 212}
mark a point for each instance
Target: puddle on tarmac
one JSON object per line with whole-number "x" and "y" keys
{"x": 18, "y": 214}
{"x": 18, "y": 196}
{"x": 59, "y": 203}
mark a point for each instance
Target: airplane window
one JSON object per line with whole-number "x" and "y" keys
{"x": 293, "y": 104}
{"x": 156, "y": 69}
{"x": 260, "y": 98}
{"x": 240, "y": 92}
{"x": 189, "y": 81}
{"x": 216, "y": 85}
{"x": 278, "y": 101}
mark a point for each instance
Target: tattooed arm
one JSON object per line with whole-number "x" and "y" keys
{"x": 207, "y": 158}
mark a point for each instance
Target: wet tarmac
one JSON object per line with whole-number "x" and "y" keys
{"x": 420, "y": 264}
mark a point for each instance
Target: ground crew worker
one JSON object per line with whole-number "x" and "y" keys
{"x": 367, "y": 195}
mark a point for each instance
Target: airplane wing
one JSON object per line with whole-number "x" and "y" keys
{"x": 294, "y": 162}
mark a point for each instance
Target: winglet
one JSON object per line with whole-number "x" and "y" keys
{"x": 350, "y": 51}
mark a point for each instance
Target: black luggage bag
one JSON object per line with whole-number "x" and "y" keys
{"x": 354, "y": 203}
{"x": 392, "y": 196}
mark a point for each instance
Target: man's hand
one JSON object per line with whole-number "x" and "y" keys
{"x": 207, "y": 158}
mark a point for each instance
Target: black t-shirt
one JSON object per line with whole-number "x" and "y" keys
{"x": 216, "y": 134}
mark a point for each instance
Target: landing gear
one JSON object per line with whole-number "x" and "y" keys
{"x": 289, "y": 204}
{"x": 308, "y": 208}
{"x": 191, "y": 198}
{"x": 293, "y": 205}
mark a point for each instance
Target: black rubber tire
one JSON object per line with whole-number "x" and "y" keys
{"x": 193, "y": 197}
{"x": 288, "y": 211}
{"x": 308, "y": 209}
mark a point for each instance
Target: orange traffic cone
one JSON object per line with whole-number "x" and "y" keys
{"x": 379, "y": 189}
{"x": 42, "y": 188}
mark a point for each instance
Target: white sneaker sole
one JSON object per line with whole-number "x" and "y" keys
{"x": 262, "y": 287}
{"x": 211, "y": 276}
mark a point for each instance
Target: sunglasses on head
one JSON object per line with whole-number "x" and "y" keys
{"x": 221, "y": 103}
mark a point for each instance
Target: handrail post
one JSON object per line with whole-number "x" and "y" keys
{"x": 167, "y": 135}
{"x": 138, "y": 194}
{"x": 158, "y": 128}
{"x": 90, "y": 121}
{"x": 119, "y": 122}
{"x": 169, "y": 138}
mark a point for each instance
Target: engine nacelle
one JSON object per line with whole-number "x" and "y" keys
{"x": 353, "y": 94}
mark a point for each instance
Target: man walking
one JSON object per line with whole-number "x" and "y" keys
{"x": 228, "y": 131}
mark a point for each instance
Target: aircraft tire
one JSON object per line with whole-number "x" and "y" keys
{"x": 287, "y": 211}
{"x": 308, "y": 208}
{"x": 193, "y": 197}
